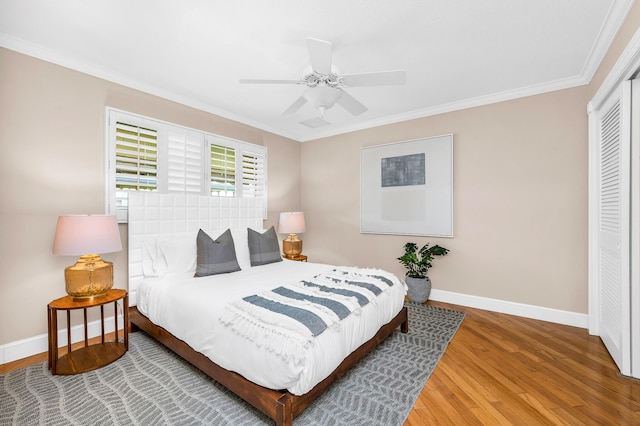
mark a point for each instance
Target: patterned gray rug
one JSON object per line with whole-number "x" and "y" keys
{"x": 150, "y": 385}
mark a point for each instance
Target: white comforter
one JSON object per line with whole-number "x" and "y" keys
{"x": 190, "y": 309}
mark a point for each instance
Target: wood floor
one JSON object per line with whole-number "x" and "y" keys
{"x": 501, "y": 370}
{"x": 506, "y": 370}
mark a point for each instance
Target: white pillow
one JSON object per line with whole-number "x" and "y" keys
{"x": 166, "y": 255}
{"x": 241, "y": 242}
{"x": 179, "y": 254}
{"x": 151, "y": 262}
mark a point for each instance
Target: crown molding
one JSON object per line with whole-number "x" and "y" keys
{"x": 625, "y": 68}
{"x": 458, "y": 106}
{"x": 614, "y": 20}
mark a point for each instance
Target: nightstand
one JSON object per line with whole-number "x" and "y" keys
{"x": 89, "y": 357}
{"x": 298, "y": 258}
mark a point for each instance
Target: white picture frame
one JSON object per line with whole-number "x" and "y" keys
{"x": 406, "y": 188}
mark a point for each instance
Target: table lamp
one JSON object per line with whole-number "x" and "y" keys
{"x": 291, "y": 223}
{"x": 86, "y": 236}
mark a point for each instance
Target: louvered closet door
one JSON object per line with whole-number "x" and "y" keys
{"x": 613, "y": 226}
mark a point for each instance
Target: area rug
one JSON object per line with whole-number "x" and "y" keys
{"x": 150, "y": 385}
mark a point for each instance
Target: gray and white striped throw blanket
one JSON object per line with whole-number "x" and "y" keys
{"x": 286, "y": 319}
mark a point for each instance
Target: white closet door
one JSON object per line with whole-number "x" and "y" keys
{"x": 635, "y": 230}
{"x": 613, "y": 257}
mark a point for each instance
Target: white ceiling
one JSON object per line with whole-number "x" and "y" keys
{"x": 456, "y": 53}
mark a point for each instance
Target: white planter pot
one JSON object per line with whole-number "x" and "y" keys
{"x": 419, "y": 289}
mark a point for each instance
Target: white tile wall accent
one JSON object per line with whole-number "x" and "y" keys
{"x": 153, "y": 215}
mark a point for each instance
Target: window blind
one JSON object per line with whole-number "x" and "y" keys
{"x": 136, "y": 161}
{"x": 144, "y": 154}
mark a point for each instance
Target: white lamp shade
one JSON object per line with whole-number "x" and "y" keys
{"x": 86, "y": 234}
{"x": 291, "y": 223}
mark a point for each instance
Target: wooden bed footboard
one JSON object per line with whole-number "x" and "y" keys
{"x": 281, "y": 406}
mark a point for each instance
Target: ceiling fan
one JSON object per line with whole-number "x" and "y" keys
{"x": 325, "y": 84}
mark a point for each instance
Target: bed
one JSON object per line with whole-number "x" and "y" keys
{"x": 277, "y": 333}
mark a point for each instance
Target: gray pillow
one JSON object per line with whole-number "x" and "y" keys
{"x": 263, "y": 248}
{"x": 215, "y": 256}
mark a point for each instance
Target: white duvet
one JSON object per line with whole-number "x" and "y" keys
{"x": 190, "y": 309}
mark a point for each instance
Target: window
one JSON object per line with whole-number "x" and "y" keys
{"x": 223, "y": 171}
{"x": 136, "y": 161}
{"x": 149, "y": 155}
{"x": 237, "y": 168}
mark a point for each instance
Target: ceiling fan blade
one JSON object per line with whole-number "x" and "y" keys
{"x": 258, "y": 81}
{"x": 295, "y": 106}
{"x": 351, "y": 104}
{"x": 383, "y": 78}
{"x": 320, "y": 55}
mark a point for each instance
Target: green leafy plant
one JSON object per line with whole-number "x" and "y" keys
{"x": 417, "y": 261}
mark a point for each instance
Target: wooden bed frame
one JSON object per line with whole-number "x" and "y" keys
{"x": 153, "y": 215}
{"x": 280, "y": 406}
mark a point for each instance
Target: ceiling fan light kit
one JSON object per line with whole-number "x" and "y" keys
{"x": 325, "y": 84}
{"x": 322, "y": 97}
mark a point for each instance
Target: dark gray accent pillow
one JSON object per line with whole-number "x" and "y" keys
{"x": 215, "y": 256}
{"x": 263, "y": 248}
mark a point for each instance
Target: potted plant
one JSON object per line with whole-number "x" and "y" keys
{"x": 418, "y": 263}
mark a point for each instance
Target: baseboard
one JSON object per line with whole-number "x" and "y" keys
{"x": 512, "y": 308}
{"x": 35, "y": 345}
{"x": 38, "y": 344}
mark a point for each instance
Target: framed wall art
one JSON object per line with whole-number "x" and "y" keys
{"x": 406, "y": 188}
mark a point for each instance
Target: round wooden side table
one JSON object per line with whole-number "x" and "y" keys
{"x": 88, "y": 357}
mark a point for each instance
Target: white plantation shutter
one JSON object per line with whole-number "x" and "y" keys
{"x": 184, "y": 161}
{"x": 150, "y": 155}
{"x": 253, "y": 174}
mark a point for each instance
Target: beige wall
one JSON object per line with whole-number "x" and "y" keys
{"x": 52, "y": 163}
{"x": 520, "y": 201}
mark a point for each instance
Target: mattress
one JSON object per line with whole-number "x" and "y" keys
{"x": 191, "y": 309}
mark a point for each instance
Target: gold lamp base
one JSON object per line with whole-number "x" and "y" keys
{"x": 292, "y": 246}
{"x": 90, "y": 278}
